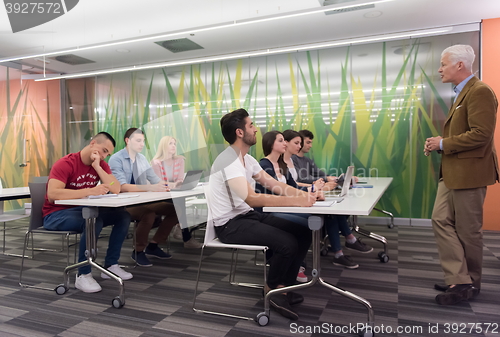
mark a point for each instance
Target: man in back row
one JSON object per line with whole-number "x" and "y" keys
{"x": 133, "y": 172}
{"x": 76, "y": 176}
{"x": 232, "y": 198}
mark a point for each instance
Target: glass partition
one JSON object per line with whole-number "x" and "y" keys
{"x": 30, "y": 129}
{"x": 371, "y": 105}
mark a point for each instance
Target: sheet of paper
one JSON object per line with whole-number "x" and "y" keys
{"x": 324, "y": 203}
{"x": 102, "y": 196}
{"x": 111, "y": 195}
{"x": 125, "y": 196}
{"x": 335, "y": 199}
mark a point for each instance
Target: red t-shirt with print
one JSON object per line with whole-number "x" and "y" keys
{"x": 75, "y": 174}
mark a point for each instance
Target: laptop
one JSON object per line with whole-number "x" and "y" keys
{"x": 190, "y": 181}
{"x": 347, "y": 181}
{"x": 344, "y": 188}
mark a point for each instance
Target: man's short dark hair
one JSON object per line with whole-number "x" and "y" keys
{"x": 306, "y": 134}
{"x": 130, "y": 131}
{"x": 105, "y": 135}
{"x": 232, "y": 121}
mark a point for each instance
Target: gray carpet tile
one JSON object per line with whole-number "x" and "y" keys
{"x": 159, "y": 299}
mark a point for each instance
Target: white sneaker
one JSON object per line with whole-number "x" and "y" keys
{"x": 177, "y": 232}
{"x": 87, "y": 284}
{"x": 192, "y": 243}
{"x": 301, "y": 276}
{"x": 115, "y": 269}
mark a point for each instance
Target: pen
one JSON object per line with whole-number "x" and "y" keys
{"x": 312, "y": 188}
{"x": 111, "y": 183}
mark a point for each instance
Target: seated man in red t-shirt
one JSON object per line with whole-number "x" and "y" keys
{"x": 76, "y": 176}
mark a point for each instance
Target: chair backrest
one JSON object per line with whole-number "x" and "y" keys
{"x": 42, "y": 179}
{"x": 210, "y": 234}
{"x": 37, "y": 191}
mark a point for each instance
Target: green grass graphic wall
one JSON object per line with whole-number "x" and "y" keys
{"x": 371, "y": 105}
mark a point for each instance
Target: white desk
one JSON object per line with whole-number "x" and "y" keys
{"x": 11, "y": 194}
{"x": 143, "y": 198}
{"x": 90, "y": 213}
{"x": 358, "y": 201}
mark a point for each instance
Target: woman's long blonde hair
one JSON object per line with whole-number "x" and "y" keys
{"x": 160, "y": 152}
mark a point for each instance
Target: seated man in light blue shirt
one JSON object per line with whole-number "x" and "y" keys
{"x": 133, "y": 172}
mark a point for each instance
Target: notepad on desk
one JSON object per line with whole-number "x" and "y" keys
{"x": 324, "y": 203}
{"x": 117, "y": 196}
{"x": 102, "y": 196}
{"x": 335, "y": 199}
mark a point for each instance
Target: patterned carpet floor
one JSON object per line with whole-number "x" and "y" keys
{"x": 159, "y": 299}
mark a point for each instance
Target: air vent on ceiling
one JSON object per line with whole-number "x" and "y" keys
{"x": 333, "y": 2}
{"x": 72, "y": 59}
{"x": 179, "y": 45}
{"x": 350, "y": 9}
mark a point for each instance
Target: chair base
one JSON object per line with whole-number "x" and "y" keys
{"x": 232, "y": 274}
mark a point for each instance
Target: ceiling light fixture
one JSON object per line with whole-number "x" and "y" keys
{"x": 230, "y": 24}
{"x": 338, "y": 43}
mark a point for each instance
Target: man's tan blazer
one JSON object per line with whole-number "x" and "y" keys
{"x": 469, "y": 158}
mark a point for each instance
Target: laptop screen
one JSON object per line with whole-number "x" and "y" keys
{"x": 190, "y": 180}
{"x": 347, "y": 180}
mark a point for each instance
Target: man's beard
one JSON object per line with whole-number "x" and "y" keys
{"x": 248, "y": 139}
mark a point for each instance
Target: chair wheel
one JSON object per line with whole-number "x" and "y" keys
{"x": 61, "y": 289}
{"x": 384, "y": 258}
{"x": 117, "y": 302}
{"x": 262, "y": 319}
{"x": 364, "y": 333}
{"x": 391, "y": 225}
{"x": 130, "y": 236}
{"x": 324, "y": 251}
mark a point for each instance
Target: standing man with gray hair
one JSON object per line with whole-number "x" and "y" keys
{"x": 469, "y": 164}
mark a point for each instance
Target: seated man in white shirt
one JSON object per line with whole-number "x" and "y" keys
{"x": 233, "y": 196}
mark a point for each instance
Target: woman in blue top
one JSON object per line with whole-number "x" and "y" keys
{"x": 276, "y": 149}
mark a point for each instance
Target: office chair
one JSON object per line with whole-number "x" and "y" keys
{"x": 211, "y": 241}
{"x": 38, "y": 190}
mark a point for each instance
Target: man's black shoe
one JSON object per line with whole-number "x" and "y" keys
{"x": 294, "y": 298}
{"x": 441, "y": 287}
{"x": 281, "y": 305}
{"x": 474, "y": 292}
{"x": 456, "y": 294}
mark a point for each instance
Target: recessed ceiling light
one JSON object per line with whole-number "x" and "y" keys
{"x": 372, "y": 14}
{"x": 123, "y": 51}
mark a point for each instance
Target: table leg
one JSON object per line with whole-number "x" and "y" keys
{"x": 383, "y": 255}
{"x": 90, "y": 214}
{"x": 180, "y": 209}
{"x": 315, "y": 224}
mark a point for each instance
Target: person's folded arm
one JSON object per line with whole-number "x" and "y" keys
{"x": 159, "y": 187}
{"x": 295, "y": 197}
{"x": 56, "y": 190}
{"x": 108, "y": 179}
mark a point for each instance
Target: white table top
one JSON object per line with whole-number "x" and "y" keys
{"x": 358, "y": 201}
{"x": 19, "y": 192}
{"x": 143, "y": 197}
